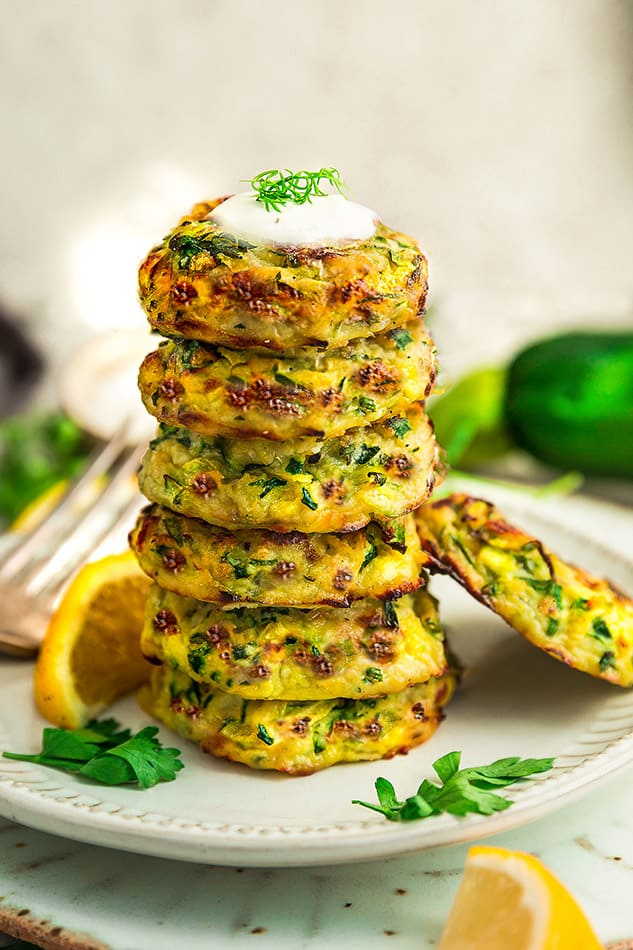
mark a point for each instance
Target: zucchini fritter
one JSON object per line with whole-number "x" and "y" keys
{"x": 579, "y": 619}
{"x": 377, "y": 473}
{"x": 296, "y": 737}
{"x": 243, "y": 394}
{"x": 370, "y": 649}
{"x": 195, "y": 559}
{"x": 207, "y": 285}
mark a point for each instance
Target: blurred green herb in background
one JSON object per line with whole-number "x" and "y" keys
{"x": 36, "y": 452}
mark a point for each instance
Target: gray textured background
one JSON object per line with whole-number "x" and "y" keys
{"x": 499, "y": 133}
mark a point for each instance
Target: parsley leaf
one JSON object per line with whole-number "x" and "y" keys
{"x": 145, "y": 762}
{"x": 108, "y": 754}
{"x": 462, "y": 791}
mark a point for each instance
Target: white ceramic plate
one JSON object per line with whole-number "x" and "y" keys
{"x": 513, "y": 701}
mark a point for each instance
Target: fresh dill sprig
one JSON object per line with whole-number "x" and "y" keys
{"x": 276, "y": 188}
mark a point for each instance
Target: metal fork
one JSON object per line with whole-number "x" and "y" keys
{"x": 39, "y": 564}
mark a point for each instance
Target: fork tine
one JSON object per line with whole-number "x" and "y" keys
{"x": 99, "y": 463}
{"x": 51, "y": 591}
{"x": 78, "y": 541}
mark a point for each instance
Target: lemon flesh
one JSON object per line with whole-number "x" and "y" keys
{"x": 509, "y": 899}
{"x": 91, "y": 651}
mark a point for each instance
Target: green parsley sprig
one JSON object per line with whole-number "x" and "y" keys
{"x": 276, "y": 188}
{"x": 462, "y": 791}
{"x": 107, "y": 754}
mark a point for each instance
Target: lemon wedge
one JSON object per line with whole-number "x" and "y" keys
{"x": 91, "y": 653}
{"x": 508, "y": 899}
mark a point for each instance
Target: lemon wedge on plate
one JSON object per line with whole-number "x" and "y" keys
{"x": 91, "y": 653}
{"x": 508, "y": 899}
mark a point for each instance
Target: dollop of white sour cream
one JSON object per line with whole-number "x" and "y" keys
{"x": 326, "y": 220}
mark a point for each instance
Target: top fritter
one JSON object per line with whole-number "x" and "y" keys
{"x": 205, "y": 283}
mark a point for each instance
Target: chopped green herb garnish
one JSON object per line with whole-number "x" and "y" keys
{"x": 239, "y": 569}
{"x": 377, "y": 477}
{"x": 391, "y": 614}
{"x": 548, "y": 587}
{"x": 196, "y": 658}
{"x": 581, "y": 603}
{"x": 267, "y": 484}
{"x": 308, "y": 500}
{"x": 399, "y": 426}
{"x": 607, "y": 661}
{"x": 367, "y": 404}
{"x": 458, "y": 544}
{"x": 294, "y": 467}
{"x": 395, "y": 536}
{"x": 276, "y": 188}
{"x": 189, "y": 349}
{"x": 373, "y": 675}
{"x": 600, "y": 629}
{"x": 552, "y": 626}
{"x": 188, "y": 246}
{"x": 491, "y": 590}
{"x": 174, "y": 530}
{"x": 264, "y": 735}
{"x": 401, "y": 338}
{"x": 174, "y": 488}
{"x": 365, "y": 453}
{"x": 285, "y": 380}
{"x": 107, "y": 754}
{"x": 370, "y": 554}
{"x": 461, "y": 790}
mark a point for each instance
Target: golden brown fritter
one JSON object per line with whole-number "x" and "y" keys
{"x": 579, "y": 619}
{"x": 311, "y": 485}
{"x": 239, "y": 393}
{"x": 296, "y": 737}
{"x": 194, "y": 559}
{"x": 369, "y": 649}
{"x": 204, "y": 284}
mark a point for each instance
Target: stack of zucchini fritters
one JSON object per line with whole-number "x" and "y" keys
{"x": 289, "y": 622}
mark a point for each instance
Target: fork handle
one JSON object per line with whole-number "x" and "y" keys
{"x": 19, "y": 646}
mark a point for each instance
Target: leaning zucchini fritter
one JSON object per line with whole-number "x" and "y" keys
{"x": 377, "y": 473}
{"x": 195, "y": 559}
{"x": 240, "y": 393}
{"x": 577, "y": 618}
{"x": 296, "y": 737}
{"x": 207, "y": 285}
{"x": 370, "y": 649}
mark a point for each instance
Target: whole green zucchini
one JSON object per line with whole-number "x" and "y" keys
{"x": 569, "y": 401}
